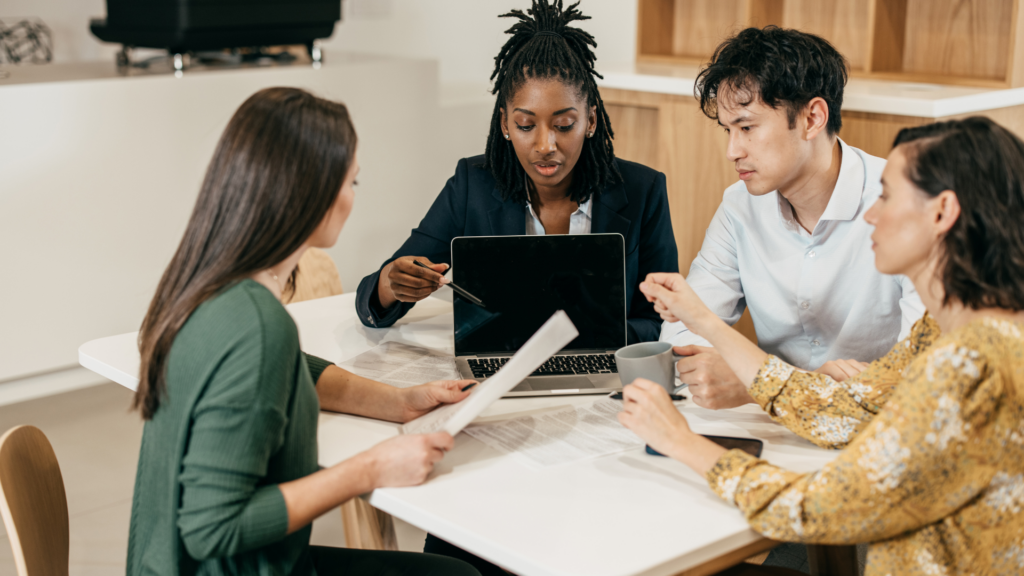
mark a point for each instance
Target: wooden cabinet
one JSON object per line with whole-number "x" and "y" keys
{"x": 968, "y": 42}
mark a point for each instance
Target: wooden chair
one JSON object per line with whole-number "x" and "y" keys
{"x": 33, "y": 503}
{"x": 317, "y": 277}
{"x": 366, "y": 528}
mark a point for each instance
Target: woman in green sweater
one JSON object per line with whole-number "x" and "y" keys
{"x": 228, "y": 481}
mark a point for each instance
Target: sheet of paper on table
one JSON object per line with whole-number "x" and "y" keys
{"x": 564, "y": 436}
{"x": 403, "y": 365}
{"x": 554, "y": 335}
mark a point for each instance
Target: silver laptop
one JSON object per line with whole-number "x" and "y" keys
{"x": 521, "y": 281}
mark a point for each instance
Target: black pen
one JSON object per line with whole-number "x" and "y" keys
{"x": 462, "y": 292}
{"x": 468, "y": 386}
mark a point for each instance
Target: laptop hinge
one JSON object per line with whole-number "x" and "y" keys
{"x": 562, "y": 353}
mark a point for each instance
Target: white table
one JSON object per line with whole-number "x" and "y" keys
{"x": 624, "y": 514}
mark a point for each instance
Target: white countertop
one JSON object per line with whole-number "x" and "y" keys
{"x": 12, "y": 75}
{"x": 861, "y": 95}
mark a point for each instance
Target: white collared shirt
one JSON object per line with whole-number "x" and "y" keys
{"x": 579, "y": 221}
{"x": 814, "y": 296}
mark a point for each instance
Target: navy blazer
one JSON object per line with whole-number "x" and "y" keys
{"x": 471, "y": 205}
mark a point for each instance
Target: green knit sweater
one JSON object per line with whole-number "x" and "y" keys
{"x": 239, "y": 418}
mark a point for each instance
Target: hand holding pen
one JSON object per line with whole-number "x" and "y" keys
{"x": 408, "y": 279}
{"x": 462, "y": 292}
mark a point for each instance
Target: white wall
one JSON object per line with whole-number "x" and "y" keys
{"x": 466, "y": 35}
{"x": 68, "y": 21}
{"x": 98, "y": 178}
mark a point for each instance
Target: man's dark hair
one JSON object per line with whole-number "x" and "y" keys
{"x": 543, "y": 45}
{"x": 779, "y": 66}
{"x": 983, "y": 163}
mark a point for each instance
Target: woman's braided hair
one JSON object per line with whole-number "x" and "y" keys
{"x": 543, "y": 45}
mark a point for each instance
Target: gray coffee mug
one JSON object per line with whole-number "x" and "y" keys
{"x": 651, "y": 360}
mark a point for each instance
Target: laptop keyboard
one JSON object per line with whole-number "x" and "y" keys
{"x": 556, "y": 366}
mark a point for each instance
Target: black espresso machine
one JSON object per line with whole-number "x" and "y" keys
{"x": 188, "y": 26}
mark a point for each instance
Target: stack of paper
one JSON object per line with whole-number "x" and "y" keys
{"x": 565, "y": 436}
{"x": 402, "y": 365}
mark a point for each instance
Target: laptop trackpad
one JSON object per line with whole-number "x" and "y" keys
{"x": 558, "y": 382}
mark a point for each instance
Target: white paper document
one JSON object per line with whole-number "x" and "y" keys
{"x": 402, "y": 365}
{"x": 554, "y": 335}
{"x": 562, "y": 437}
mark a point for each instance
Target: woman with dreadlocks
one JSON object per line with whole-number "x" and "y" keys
{"x": 549, "y": 168}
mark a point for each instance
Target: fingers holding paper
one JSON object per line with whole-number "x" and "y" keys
{"x": 648, "y": 411}
{"x": 418, "y": 400}
{"x": 408, "y": 459}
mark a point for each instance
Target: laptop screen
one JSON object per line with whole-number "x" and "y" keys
{"x": 523, "y": 280}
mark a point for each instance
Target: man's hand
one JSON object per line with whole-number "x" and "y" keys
{"x": 840, "y": 370}
{"x": 712, "y": 384}
{"x": 675, "y": 300}
{"x": 418, "y": 400}
{"x": 404, "y": 281}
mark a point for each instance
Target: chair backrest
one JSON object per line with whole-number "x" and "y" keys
{"x": 318, "y": 277}
{"x": 33, "y": 503}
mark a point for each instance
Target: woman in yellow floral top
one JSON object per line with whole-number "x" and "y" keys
{"x": 935, "y": 481}
{"x": 831, "y": 411}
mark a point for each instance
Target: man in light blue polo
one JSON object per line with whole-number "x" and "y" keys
{"x": 788, "y": 241}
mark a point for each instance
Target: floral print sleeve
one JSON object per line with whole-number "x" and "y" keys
{"x": 831, "y": 413}
{"x": 935, "y": 482}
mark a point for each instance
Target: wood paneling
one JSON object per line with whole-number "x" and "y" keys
{"x": 886, "y": 35}
{"x": 761, "y": 13}
{"x": 964, "y": 42}
{"x": 670, "y": 134}
{"x": 958, "y": 37}
{"x": 700, "y": 26}
{"x": 636, "y": 133}
{"x": 844, "y": 23}
{"x": 654, "y": 35}
{"x": 874, "y": 133}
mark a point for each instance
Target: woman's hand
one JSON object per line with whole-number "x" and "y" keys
{"x": 403, "y": 281}
{"x": 649, "y": 413}
{"x": 407, "y": 460}
{"x": 675, "y": 300}
{"x": 418, "y": 400}
{"x": 840, "y": 370}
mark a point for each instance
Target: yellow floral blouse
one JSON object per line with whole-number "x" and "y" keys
{"x": 935, "y": 482}
{"x": 831, "y": 413}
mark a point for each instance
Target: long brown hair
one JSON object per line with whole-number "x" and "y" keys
{"x": 275, "y": 173}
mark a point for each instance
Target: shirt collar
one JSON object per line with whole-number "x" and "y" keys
{"x": 845, "y": 200}
{"x": 583, "y": 209}
{"x": 846, "y": 197}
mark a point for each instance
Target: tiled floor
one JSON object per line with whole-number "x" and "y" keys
{"x": 96, "y": 440}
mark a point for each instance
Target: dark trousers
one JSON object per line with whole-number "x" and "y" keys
{"x": 435, "y": 545}
{"x": 345, "y": 561}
